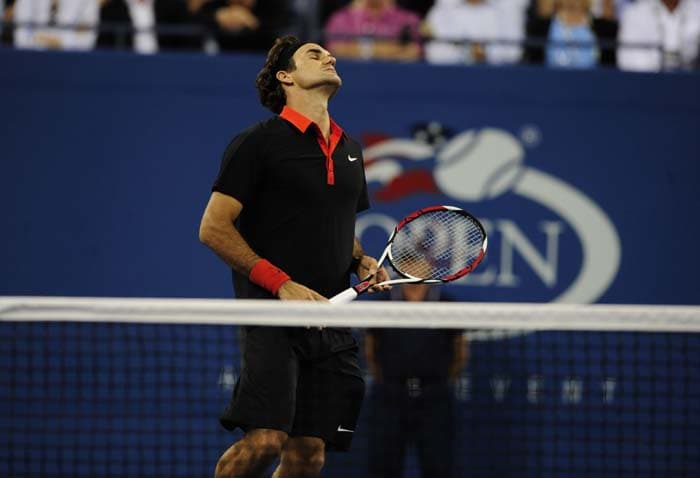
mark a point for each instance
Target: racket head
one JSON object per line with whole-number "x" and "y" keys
{"x": 437, "y": 244}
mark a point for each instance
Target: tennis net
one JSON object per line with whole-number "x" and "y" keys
{"x": 133, "y": 387}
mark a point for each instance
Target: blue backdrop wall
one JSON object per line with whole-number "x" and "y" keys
{"x": 587, "y": 181}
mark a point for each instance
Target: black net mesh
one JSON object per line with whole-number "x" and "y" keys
{"x": 87, "y": 399}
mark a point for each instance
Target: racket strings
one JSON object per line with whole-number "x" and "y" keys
{"x": 437, "y": 245}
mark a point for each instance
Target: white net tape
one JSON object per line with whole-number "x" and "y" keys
{"x": 359, "y": 314}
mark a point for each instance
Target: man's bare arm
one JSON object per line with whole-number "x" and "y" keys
{"x": 218, "y": 232}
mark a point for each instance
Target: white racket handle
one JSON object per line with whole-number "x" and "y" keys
{"x": 348, "y": 295}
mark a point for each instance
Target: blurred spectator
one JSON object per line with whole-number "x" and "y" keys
{"x": 672, "y": 25}
{"x": 245, "y": 25}
{"x": 568, "y": 36}
{"x": 328, "y": 7}
{"x": 141, "y": 17}
{"x": 179, "y": 13}
{"x": 56, "y": 24}
{"x": 7, "y": 19}
{"x": 305, "y": 23}
{"x": 374, "y": 29}
{"x": 599, "y": 8}
{"x": 419, "y": 7}
{"x": 2, "y": 17}
{"x": 512, "y": 21}
{"x": 476, "y": 24}
{"x": 411, "y": 399}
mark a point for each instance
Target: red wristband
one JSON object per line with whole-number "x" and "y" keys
{"x": 268, "y": 276}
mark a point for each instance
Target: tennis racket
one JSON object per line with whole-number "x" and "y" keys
{"x": 431, "y": 245}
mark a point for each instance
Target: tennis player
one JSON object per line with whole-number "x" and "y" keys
{"x": 282, "y": 216}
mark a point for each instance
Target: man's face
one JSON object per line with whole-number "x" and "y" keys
{"x": 315, "y": 66}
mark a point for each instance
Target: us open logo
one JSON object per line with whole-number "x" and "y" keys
{"x": 480, "y": 166}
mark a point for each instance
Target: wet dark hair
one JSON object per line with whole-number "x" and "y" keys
{"x": 279, "y": 57}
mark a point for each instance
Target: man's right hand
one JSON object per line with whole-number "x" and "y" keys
{"x": 291, "y": 290}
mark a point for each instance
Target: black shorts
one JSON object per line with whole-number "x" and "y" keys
{"x": 304, "y": 382}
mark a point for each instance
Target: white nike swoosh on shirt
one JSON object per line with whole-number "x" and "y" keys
{"x": 350, "y": 158}
{"x": 340, "y": 428}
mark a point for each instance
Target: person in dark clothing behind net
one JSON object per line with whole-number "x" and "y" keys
{"x": 411, "y": 400}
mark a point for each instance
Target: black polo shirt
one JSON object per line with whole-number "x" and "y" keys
{"x": 300, "y": 196}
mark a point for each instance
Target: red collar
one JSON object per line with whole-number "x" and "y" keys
{"x": 302, "y": 123}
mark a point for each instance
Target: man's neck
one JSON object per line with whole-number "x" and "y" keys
{"x": 314, "y": 107}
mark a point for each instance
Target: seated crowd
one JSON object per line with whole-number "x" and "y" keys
{"x": 640, "y": 35}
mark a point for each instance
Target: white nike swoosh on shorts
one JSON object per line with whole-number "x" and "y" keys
{"x": 350, "y": 158}
{"x": 340, "y": 428}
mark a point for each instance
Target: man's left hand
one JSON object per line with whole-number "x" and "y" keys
{"x": 368, "y": 267}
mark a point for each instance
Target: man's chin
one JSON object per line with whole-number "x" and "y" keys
{"x": 332, "y": 85}
{"x": 336, "y": 81}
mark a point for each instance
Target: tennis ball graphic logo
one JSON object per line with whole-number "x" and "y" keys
{"x": 477, "y": 165}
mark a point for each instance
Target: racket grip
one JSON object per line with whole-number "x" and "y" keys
{"x": 344, "y": 297}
